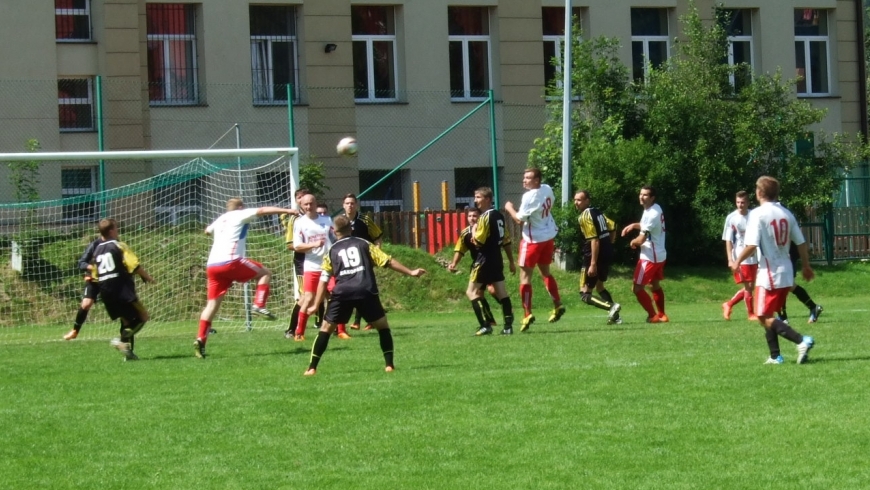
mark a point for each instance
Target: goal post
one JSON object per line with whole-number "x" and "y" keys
{"x": 161, "y": 218}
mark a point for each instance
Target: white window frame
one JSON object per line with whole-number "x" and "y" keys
{"x": 164, "y": 39}
{"x": 66, "y": 192}
{"x": 376, "y": 204}
{"x": 731, "y": 63}
{"x": 466, "y": 68}
{"x": 269, "y": 89}
{"x": 74, "y": 12}
{"x": 808, "y": 77}
{"x": 89, "y": 101}
{"x": 646, "y": 40}
{"x": 370, "y": 39}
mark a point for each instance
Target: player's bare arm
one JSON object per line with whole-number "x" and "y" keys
{"x": 457, "y": 256}
{"x": 806, "y": 270}
{"x": 592, "y": 271}
{"x": 510, "y": 256}
{"x": 141, "y": 272}
{"x": 509, "y": 207}
{"x": 308, "y": 246}
{"x": 638, "y": 240}
{"x": 747, "y": 252}
{"x": 398, "y": 267}
{"x": 267, "y": 210}
{"x": 729, "y": 249}
{"x": 629, "y": 228}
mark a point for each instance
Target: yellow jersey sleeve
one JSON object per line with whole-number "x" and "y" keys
{"x": 379, "y": 257}
{"x": 460, "y": 243}
{"x": 587, "y": 227}
{"x": 326, "y": 266}
{"x": 375, "y": 231}
{"x": 131, "y": 262}
{"x": 287, "y": 221}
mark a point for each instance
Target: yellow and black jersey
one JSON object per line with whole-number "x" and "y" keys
{"x": 352, "y": 262}
{"x": 491, "y": 235}
{"x": 595, "y": 225}
{"x": 363, "y": 226}
{"x": 287, "y": 221}
{"x": 114, "y": 264}
{"x": 87, "y": 257}
{"x": 465, "y": 244}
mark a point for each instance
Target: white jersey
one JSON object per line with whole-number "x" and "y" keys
{"x": 771, "y": 228}
{"x": 230, "y": 233}
{"x": 735, "y": 232}
{"x": 653, "y": 222}
{"x": 306, "y": 230}
{"x": 535, "y": 213}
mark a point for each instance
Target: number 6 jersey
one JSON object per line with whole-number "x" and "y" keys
{"x": 352, "y": 261}
{"x": 770, "y": 228}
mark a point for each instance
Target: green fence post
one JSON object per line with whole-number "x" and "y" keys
{"x": 100, "y": 146}
{"x": 290, "y": 125}
{"x": 828, "y": 233}
{"x": 494, "y": 149}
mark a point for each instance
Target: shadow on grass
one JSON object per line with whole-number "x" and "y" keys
{"x": 823, "y": 360}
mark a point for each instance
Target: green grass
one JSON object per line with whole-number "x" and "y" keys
{"x": 577, "y": 404}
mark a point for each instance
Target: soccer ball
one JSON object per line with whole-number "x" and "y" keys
{"x": 346, "y": 147}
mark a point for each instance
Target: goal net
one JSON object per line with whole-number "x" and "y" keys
{"x": 162, "y": 218}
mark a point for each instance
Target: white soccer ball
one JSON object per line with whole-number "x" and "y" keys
{"x": 346, "y": 147}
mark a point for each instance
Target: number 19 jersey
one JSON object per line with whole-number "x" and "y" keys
{"x": 770, "y": 228}
{"x": 352, "y": 262}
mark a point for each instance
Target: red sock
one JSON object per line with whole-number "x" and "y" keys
{"x": 303, "y": 320}
{"x": 645, "y": 301}
{"x": 526, "y": 298}
{"x": 738, "y": 297}
{"x": 261, "y": 295}
{"x": 342, "y": 328}
{"x": 659, "y": 297}
{"x": 747, "y": 298}
{"x": 204, "y": 327}
{"x": 553, "y": 289}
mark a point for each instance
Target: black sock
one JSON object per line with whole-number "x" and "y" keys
{"x": 782, "y": 314}
{"x": 357, "y": 318}
{"x": 319, "y": 348}
{"x": 81, "y": 316}
{"x": 478, "y": 312}
{"x": 804, "y": 297}
{"x": 386, "y": 338}
{"x": 772, "y": 342}
{"x": 318, "y": 317}
{"x": 508, "y": 311}
{"x": 787, "y": 332}
{"x": 294, "y": 319}
{"x": 487, "y": 313}
{"x": 605, "y": 295}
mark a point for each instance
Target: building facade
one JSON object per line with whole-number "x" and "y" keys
{"x": 180, "y": 75}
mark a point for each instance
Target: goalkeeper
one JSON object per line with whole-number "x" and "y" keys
{"x": 92, "y": 290}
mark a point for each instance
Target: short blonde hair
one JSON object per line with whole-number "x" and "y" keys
{"x": 235, "y": 203}
{"x": 768, "y": 187}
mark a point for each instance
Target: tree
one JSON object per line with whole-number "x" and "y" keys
{"x": 312, "y": 176}
{"x": 24, "y": 175}
{"x": 692, "y": 135}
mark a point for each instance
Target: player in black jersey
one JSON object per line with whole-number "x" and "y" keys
{"x": 598, "y": 236}
{"x": 115, "y": 264}
{"x": 364, "y": 227}
{"x": 490, "y": 237}
{"x": 465, "y": 244}
{"x": 351, "y": 261}
{"x": 91, "y": 289}
{"x": 287, "y": 221}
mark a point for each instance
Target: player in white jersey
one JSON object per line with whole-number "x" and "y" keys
{"x": 227, "y": 263}
{"x": 733, "y": 235}
{"x": 313, "y": 235}
{"x": 537, "y": 245}
{"x": 650, "y": 269}
{"x": 770, "y": 229}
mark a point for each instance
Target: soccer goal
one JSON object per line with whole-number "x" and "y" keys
{"x": 162, "y": 218}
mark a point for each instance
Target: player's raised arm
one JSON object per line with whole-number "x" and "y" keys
{"x": 267, "y": 210}
{"x": 399, "y": 267}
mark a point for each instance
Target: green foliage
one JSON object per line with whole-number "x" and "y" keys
{"x": 24, "y": 176}
{"x": 312, "y": 176}
{"x": 694, "y": 137}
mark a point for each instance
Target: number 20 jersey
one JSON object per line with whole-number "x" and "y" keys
{"x": 352, "y": 262}
{"x": 115, "y": 263}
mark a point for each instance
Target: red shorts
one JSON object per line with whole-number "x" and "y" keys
{"x": 221, "y": 277}
{"x": 310, "y": 281}
{"x": 769, "y": 301}
{"x": 532, "y": 254}
{"x": 746, "y": 273}
{"x": 646, "y": 272}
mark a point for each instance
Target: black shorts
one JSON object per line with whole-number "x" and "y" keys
{"x": 92, "y": 290}
{"x": 130, "y": 311}
{"x": 601, "y": 275}
{"x": 486, "y": 271}
{"x": 339, "y": 311}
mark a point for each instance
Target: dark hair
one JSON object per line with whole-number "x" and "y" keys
{"x": 584, "y": 192}
{"x": 352, "y": 196}
{"x": 485, "y": 191}
{"x": 469, "y": 209}
{"x": 301, "y": 192}
{"x": 107, "y": 225}
{"x": 741, "y": 195}
{"x": 536, "y": 172}
{"x": 651, "y": 189}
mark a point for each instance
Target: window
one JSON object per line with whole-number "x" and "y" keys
{"x": 72, "y": 20}
{"x": 468, "y": 35}
{"x": 374, "y": 53}
{"x": 75, "y": 103}
{"x": 738, "y": 25}
{"x": 649, "y": 40}
{"x": 468, "y": 180}
{"x": 172, "y": 78}
{"x": 387, "y": 196}
{"x": 273, "y": 53}
{"x": 78, "y": 185}
{"x": 553, "y": 24}
{"x": 811, "y": 51}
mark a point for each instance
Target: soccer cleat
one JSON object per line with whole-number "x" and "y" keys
{"x": 526, "y": 322}
{"x": 508, "y": 331}
{"x": 288, "y": 334}
{"x": 390, "y": 369}
{"x": 310, "y": 372}
{"x": 613, "y": 314}
{"x": 212, "y": 331}
{"x": 199, "y": 349}
{"x": 804, "y": 349}
{"x": 262, "y": 311}
{"x": 726, "y": 311}
{"x": 368, "y": 327}
{"x": 487, "y": 330}
{"x": 752, "y": 318}
{"x": 556, "y": 314}
{"x": 615, "y": 321}
{"x": 354, "y": 326}
{"x": 71, "y": 335}
{"x": 815, "y": 313}
{"x": 299, "y": 338}
{"x": 653, "y": 319}
{"x": 125, "y": 349}
{"x": 774, "y": 360}
{"x": 343, "y": 335}
{"x": 663, "y": 318}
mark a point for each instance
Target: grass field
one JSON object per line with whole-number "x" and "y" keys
{"x": 577, "y": 404}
